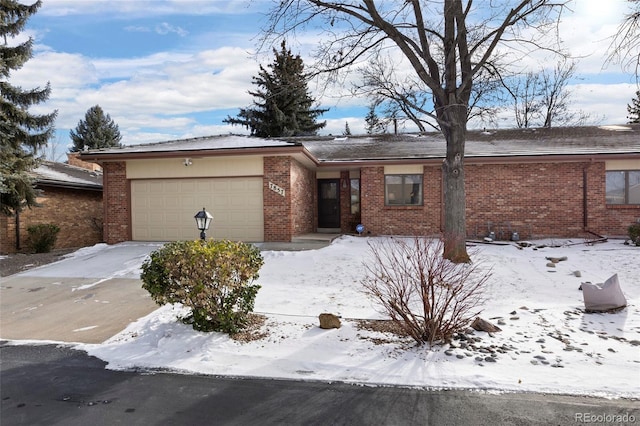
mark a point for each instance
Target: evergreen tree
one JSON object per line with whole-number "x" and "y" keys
{"x": 283, "y": 106}
{"x": 22, "y": 134}
{"x": 634, "y": 109}
{"x": 347, "y": 130}
{"x": 97, "y": 130}
{"x": 373, "y": 124}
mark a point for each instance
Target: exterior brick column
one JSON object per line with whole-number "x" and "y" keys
{"x": 116, "y": 199}
{"x": 277, "y": 208}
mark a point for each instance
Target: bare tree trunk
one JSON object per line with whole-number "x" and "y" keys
{"x": 455, "y": 224}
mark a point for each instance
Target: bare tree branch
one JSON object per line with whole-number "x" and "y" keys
{"x": 625, "y": 44}
{"x": 447, "y": 49}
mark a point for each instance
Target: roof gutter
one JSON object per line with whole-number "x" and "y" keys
{"x": 97, "y": 156}
{"x": 68, "y": 185}
{"x": 543, "y": 158}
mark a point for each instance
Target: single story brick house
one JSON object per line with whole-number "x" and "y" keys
{"x": 559, "y": 182}
{"x": 71, "y": 197}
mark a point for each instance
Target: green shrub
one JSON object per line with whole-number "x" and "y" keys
{"x": 42, "y": 237}
{"x": 212, "y": 278}
{"x": 634, "y": 233}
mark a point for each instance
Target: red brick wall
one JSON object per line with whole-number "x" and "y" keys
{"x": 535, "y": 199}
{"x": 277, "y": 209}
{"x": 540, "y": 199}
{"x": 544, "y": 200}
{"x": 400, "y": 220}
{"x": 346, "y": 218}
{"x": 78, "y": 213}
{"x": 73, "y": 158}
{"x": 303, "y": 196}
{"x": 117, "y": 214}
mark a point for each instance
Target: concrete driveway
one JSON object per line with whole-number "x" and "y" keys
{"x": 86, "y": 298}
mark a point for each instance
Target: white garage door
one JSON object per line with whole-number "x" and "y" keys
{"x": 163, "y": 209}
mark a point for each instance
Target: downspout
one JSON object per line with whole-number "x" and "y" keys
{"x": 585, "y": 204}
{"x": 585, "y": 209}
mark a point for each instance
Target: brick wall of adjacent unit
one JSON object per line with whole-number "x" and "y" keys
{"x": 117, "y": 225}
{"x": 400, "y": 220}
{"x": 303, "y": 199}
{"x": 73, "y": 159}
{"x": 78, "y": 213}
{"x": 346, "y": 218}
{"x": 619, "y": 218}
{"x": 277, "y": 209}
{"x": 534, "y": 199}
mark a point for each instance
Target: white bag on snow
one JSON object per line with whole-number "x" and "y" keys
{"x": 603, "y": 297}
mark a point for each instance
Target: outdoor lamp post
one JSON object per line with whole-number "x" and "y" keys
{"x": 203, "y": 220}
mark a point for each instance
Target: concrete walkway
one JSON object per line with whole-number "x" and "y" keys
{"x": 69, "y": 309}
{"x": 87, "y": 298}
{"x": 93, "y": 295}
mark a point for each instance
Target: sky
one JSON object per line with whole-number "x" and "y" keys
{"x": 547, "y": 342}
{"x": 172, "y": 69}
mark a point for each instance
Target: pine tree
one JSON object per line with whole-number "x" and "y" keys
{"x": 283, "y": 106}
{"x": 373, "y": 124}
{"x": 22, "y": 134}
{"x": 97, "y": 130}
{"x": 347, "y": 130}
{"x": 634, "y": 109}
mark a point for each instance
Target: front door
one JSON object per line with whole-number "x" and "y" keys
{"x": 329, "y": 203}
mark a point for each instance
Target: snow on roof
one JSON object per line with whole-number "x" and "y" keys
{"x": 201, "y": 143}
{"x": 61, "y": 174}
{"x": 491, "y": 143}
{"x": 482, "y": 144}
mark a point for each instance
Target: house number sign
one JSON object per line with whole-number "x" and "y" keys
{"x": 275, "y": 188}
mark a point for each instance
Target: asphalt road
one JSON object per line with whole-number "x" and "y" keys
{"x": 56, "y": 385}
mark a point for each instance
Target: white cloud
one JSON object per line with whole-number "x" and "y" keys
{"x": 166, "y": 28}
{"x": 156, "y": 96}
{"x": 160, "y": 85}
{"x": 608, "y": 100}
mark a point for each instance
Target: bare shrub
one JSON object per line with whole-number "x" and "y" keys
{"x": 428, "y": 296}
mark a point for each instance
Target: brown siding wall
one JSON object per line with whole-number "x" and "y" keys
{"x": 78, "y": 213}
{"x": 117, "y": 214}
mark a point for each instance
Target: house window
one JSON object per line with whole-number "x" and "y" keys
{"x": 355, "y": 196}
{"x": 403, "y": 190}
{"x": 623, "y": 187}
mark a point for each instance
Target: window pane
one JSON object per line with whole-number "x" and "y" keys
{"x": 413, "y": 186}
{"x": 393, "y": 189}
{"x": 615, "y": 187}
{"x": 634, "y": 187}
{"x": 355, "y": 196}
{"x": 403, "y": 190}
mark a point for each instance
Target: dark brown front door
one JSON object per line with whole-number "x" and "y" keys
{"x": 329, "y": 203}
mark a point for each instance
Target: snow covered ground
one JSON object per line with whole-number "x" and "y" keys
{"x": 547, "y": 343}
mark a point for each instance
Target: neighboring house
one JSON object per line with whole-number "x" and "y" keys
{"x": 559, "y": 182}
{"x": 71, "y": 198}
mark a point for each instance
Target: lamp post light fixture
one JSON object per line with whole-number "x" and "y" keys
{"x": 203, "y": 220}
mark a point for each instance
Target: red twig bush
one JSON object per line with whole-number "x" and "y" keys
{"x": 426, "y": 295}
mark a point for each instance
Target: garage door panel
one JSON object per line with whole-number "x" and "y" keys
{"x": 163, "y": 210}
